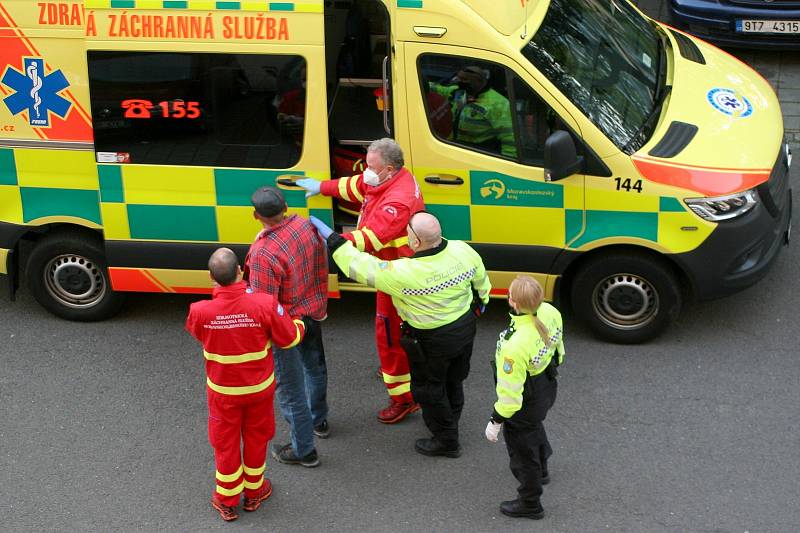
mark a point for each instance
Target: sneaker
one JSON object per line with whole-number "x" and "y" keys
{"x": 251, "y": 504}
{"x": 323, "y": 431}
{"x": 285, "y": 454}
{"x": 228, "y": 514}
{"x": 396, "y": 412}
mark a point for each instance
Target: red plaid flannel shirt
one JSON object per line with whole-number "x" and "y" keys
{"x": 290, "y": 260}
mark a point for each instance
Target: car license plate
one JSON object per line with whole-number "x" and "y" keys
{"x": 768, "y": 26}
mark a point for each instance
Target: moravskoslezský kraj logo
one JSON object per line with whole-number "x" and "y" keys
{"x": 493, "y": 187}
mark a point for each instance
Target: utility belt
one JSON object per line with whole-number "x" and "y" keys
{"x": 411, "y": 338}
{"x": 551, "y": 371}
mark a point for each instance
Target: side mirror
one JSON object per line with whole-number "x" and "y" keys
{"x": 561, "y": 160}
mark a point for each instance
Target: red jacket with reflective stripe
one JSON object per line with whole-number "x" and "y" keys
{"x": 237, "y": 330}
{"x": 385, "y": 211}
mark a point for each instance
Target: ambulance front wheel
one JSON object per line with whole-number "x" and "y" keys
{"x": 626, "y": 297}
{"x": 67, "y": 275}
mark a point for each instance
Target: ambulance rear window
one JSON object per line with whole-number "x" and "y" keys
{"x": 199, "y": 109}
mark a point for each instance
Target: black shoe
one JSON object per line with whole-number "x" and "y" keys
{"x": 518, "y": 509}
{"x": 433, "y": 447}
{"x": 285, "y": 454}
{"x": 545, "y": 474}
{"x": 323, "y": 431}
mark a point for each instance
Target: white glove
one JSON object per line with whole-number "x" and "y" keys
{"x": 492, "y": 431}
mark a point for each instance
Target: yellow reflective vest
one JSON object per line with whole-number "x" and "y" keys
{"x": 521, "y": 352}
{"x": 428, "y": 290}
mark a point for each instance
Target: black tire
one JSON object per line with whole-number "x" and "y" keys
{"x": 68, "y": 276}
{"x": 626, "y": 297}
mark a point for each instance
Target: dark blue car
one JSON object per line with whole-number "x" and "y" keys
{"x": 766, "y": 24}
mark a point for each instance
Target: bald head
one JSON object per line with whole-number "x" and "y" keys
{"x": 426, "y": 229}
{"x": 224, "y": 266}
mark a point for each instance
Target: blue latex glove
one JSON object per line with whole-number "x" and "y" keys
{"x": 323, "y": 229}
{"x": 310, "y": 185}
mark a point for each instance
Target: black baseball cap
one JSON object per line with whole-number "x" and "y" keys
{"x": 268, "y": 201}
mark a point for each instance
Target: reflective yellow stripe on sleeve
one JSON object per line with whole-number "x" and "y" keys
{"x": 344, "y": 189}
{"x": 352, "y": 182}
{"x": 297, "y": 324}
{"x": 238, "y": 391}
{"x": 397, "y": 243}
{"x": 358, "y": 236}
{"x": 373, "y": 239}
{"x": 242, "y": 358}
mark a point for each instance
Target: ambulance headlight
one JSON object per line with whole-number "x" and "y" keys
{"x": 723, "y": 207}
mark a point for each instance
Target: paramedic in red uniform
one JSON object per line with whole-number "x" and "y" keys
{"x": 237, "y": 330}
{"x": 389, "y": 195}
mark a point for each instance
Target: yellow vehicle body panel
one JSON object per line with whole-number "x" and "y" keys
{"x": 50, "y": 173}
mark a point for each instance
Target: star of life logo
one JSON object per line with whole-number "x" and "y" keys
{"x": 728, "y": 102}
{"x": 36, "y": 92}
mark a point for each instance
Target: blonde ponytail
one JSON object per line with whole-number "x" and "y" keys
{"x": 528, "y": 294}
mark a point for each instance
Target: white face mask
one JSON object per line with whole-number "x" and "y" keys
{"x": 371, "y": 178}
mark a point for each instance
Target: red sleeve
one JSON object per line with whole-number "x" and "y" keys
{"x": 193, "y": 325}
{"x": 350, "y": 188}
{"x": 384, "y": 225}
{"x": 285, "y": 331}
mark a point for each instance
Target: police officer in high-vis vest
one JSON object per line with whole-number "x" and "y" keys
{"x": 438, "y": 292}
{"x": 527, "y": 355}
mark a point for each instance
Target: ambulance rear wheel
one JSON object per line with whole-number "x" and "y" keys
{"x": 67, "y": 275}
{"x": 626, "y": 297}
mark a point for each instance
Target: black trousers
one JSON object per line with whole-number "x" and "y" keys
{"x": 526, "y": 438}
{"x": 438, "y": 373}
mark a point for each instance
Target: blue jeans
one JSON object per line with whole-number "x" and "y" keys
{"x": 302, "y": 387}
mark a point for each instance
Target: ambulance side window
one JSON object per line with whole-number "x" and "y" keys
{"x": 484, "y": 107}
{"x": 201, "y": 109}
{"x": 466, "y": 101}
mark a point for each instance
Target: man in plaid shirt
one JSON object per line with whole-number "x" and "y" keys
{"x": 289, "y": 260}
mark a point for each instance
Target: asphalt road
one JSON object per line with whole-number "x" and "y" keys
{"x": 102, "y": 428}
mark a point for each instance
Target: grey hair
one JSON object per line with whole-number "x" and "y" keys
{"x": 389, "y": 150}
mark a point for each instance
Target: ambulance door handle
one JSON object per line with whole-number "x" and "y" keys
{"x": 444, "y": 179}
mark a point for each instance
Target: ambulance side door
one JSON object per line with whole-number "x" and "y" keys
{"x": 478, "y": 153}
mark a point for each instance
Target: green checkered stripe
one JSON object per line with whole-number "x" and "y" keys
{"x": 38, "y": 202}
{"x": 233, "y": 187}
{"x": 202, "y": 5}
{"x": 599, "y": 224}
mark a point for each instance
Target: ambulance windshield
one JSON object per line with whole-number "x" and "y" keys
{"x": 607, "y": 60}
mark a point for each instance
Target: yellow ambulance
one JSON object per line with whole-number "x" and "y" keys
{"x": 628, "y": 166}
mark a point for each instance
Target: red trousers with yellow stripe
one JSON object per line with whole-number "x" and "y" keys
{"x": 239, "y": 429}
{"x": 394, "y": 361}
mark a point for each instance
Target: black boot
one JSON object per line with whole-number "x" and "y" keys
{"x": 434, "y": 447}
{"x": 520, "y": 509}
